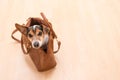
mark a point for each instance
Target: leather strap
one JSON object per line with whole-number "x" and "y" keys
{"x": 23, "y": 47}
{"x": 14, "y": 37}
{"x": 50, "y": 26}
{"x": 59, "y": 43}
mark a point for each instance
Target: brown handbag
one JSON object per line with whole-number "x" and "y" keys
{"x": 42, "y": 60}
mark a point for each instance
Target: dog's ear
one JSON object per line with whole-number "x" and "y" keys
{"x": 46, "y": 29}
{"x": 21, "y": 28}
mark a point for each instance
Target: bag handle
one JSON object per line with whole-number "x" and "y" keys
{"x": 48, "y": 24}
{"x": 54, "y": 35}
{"x": 23, "y": 47}
{"x": 59, "y": 43}
{"x": 14, "y": 37}
{"x": 22, "y": 44}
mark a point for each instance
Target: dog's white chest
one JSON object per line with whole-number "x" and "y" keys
{"x": 46, "y": 38}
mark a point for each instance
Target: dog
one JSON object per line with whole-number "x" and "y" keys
{"x": 38, "y": 35}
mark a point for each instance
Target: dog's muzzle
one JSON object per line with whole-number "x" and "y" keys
{"x": 36, "y": 44}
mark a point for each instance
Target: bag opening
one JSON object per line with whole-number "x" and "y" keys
{"x": 34, "y": 22}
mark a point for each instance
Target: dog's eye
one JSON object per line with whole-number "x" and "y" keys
{"x": 30, "y": 35}
{"x": 40, "y": 33}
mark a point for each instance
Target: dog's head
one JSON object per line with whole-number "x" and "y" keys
{"x": 38, "y": 35}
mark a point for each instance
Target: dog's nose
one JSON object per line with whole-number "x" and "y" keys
{"x": 36, "y": 44}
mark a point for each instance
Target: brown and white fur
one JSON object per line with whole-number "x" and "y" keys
{"x": 38, "y": 35}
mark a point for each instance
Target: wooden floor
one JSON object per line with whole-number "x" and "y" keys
{"x": 88, "y": 29}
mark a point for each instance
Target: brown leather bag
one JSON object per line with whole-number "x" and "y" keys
{"x": 42, "y": 60}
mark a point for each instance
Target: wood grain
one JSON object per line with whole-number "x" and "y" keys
{"x": 88, "y": 29}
